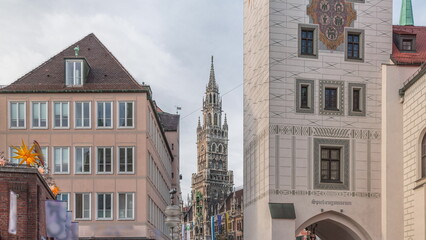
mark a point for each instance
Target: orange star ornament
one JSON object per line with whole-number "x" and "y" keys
{"x": 27, "y": 155}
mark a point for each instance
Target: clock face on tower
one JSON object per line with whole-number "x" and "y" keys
{"x": 332, "y": 16}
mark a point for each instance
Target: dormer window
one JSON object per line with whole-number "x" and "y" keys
{"x": 76, "y": 71}
{"x": 407, "y": 45}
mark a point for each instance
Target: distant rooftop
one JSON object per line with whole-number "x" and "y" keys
{"x": 106, "y": 73}
{"x": 419, "y": 55}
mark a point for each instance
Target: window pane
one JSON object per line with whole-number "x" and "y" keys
{"x": 57, "y": 113}
{"x": 64, "y": 114}
{"x": 86, "y": 206}
{"x": 65, "y": 160}
{"x": 78, "y": 116}
{"x": 129, "y": 114}
{"x": 324, "y": 154}
{"x": 57, "y": 156}
{"x": 108, "y": 159}
{"x": 108, "y": 206}
{"x": 78, "y": 206}
{"x": 78, "y": 160}
{"x": 101, "y": 159}
{"x": 129, "y": 159}
{"x": 121, "y": 205}
{"x": 101, "y": 205}
{"x": 86, "y": 114}
{"x": 86, "y": 160}
{"x": 101, "y": 114}
{"x": 108, "y": 114}
{"x": 78, "y": 72}
{"x": 69, "y": 72}
{"x": 122, "y": 159}
{"x": 335, "y": 154}
{"x": 36, "y": 114}
{"x": 122, "y": 119}
{"x": 130, "y": 205}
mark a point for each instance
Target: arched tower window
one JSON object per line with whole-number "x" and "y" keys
{"x": 215, "y": 119}
{"x": 423, "y": 166}
{"x": 214, "y": 98}
{"x": 220, "y": 164}
{"x": 213, "y": 147}
{"x": 220, "y": 148}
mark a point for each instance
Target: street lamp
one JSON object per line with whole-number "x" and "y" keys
{"x": 173, "y": 214}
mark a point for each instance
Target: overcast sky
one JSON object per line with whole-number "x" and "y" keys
{"x": 164, "y": 43}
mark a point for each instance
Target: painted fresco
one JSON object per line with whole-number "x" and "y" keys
{"x": 332, "y": 16}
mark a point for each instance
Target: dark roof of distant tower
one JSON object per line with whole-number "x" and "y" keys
{"x": 106, "y": 72}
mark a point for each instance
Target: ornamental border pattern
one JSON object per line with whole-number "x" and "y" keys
{"x": 365, "y": 134}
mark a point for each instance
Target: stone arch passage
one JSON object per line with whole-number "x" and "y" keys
{"x": 332, "y": 225}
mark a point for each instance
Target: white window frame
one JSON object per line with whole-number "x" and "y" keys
{"x": 69, "y": 200}
{"x": 73, "y": 81}
{"x": 112, "y": 206}
{"x": 32, "y": 116}
{"x": 90, "y": 206}
{"x": 118, "y": 206}
{"x": 53, "y": 115}
{"x": 112, "y": 113}
{"x": 54, "y": 160}
{"x": 125, "y": 114}
{"x": 10, "y": 115}
{"x": 75, "y": 160}
{"x": 46, "y": 158}
{"x": 97, "y": 160}
{"x": 11, "y": 154}
{"x": 118, "y": 160}
{"x": 82, "y": 114}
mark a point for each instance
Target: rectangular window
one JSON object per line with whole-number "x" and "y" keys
{"x": 407, "y": 44}
{"x": 17, "y": 115}
{"x": 307, "y": 42}
{"x": 125, "y": 206}
{"x": 61, "y": 156}
{"x": 82, "y": 159}
{"x": 330, "y": 99}
{"x": 104, "y": 206}
{"x": 104, "y": 118}
{"x": 356, "y": 95}
{"x": 65, "y": 197}
{"x": 74, "y": 72}
{"x": 125, "y": 114}
{"x": 125, "y": 155}
{"x": 353, "y": 46}
{"x": 82, "y": 114}
{"x": 39, "y": 114}
{"x": 330, "y": 164}
{"x": 60, "y": 114}
{"x": 82, "y": 206}
{"x": 304, "y": 96}
{"x": 104, "y": 160}
{"x": 357, "y": 99}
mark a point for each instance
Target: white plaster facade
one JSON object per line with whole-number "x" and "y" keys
{"x": 280, "y": 144}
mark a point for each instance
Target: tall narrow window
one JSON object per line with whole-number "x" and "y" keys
{"x": 104, "y": 114}
{"x": 82, "y": 114}
{"x": 304, "y": 96}
{"x": 353, "y": 46}
{"x": 82, "y": 206}
{"x": 104, "y": 160}
{"x": 17, "y": 115}
{"x": 104, "y": 206}
{"x": 125, "y": 159}
{"x": 307, "y": 42}
{"x": 424, "y": 157}
{"x": 330, "y": 98}
{"x": 39, "y": 115}
{"x": 65, "y": 197}
{"x": 125, "y": 205}
{"x": 82, "y": 160}
{"x": 356, "y": 100}
{"x": 61, "y": 114}
{"x": 126, "y": 117}
{"x": 74, "y": 72}
{"x": 61, "y": 159}
{"x": 12, "y": 154}
{"x": 330, "y": 164}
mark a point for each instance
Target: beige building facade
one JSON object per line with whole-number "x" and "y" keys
{"x": 312, "y": 117}
{"x": 105, "y": 143}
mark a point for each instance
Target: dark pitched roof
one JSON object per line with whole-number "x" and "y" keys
{"x": 106, "y": 72}
{"x": 169, "y": 121}
{"x": 417, "y": 57}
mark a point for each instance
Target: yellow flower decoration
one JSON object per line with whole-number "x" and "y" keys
{"x": 55, "y": 190}
{"x": 27, "y": 155}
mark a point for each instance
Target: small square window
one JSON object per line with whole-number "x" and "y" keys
{"x": 354, "y": 43}
{"x": 407, "y": 44}
{"x": 331, "y": 97}
{"x": 308, "y": 41}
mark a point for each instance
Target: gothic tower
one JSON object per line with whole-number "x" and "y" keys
{"x": 213, "y": 182}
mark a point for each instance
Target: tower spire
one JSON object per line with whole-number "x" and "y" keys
{"x": 406, "y": 18}
{"x": 212, "y": 79}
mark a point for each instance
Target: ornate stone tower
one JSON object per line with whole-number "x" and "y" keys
{"x": 213, "y": 182}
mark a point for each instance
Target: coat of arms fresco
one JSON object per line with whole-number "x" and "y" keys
{"x": 332, "y": 16}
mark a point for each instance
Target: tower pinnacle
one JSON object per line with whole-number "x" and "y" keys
{"x": 212, "y": 80}
{"x": 406, "y": 18}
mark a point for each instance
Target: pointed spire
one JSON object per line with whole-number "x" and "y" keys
{"x": 199, "y": 123}
{"x": 212, "y": 79}
{"x": 406, "y": 18}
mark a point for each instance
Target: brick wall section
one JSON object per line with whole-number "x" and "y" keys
{"x": 414, "y": 116}
{"x": 33, "y": 191}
